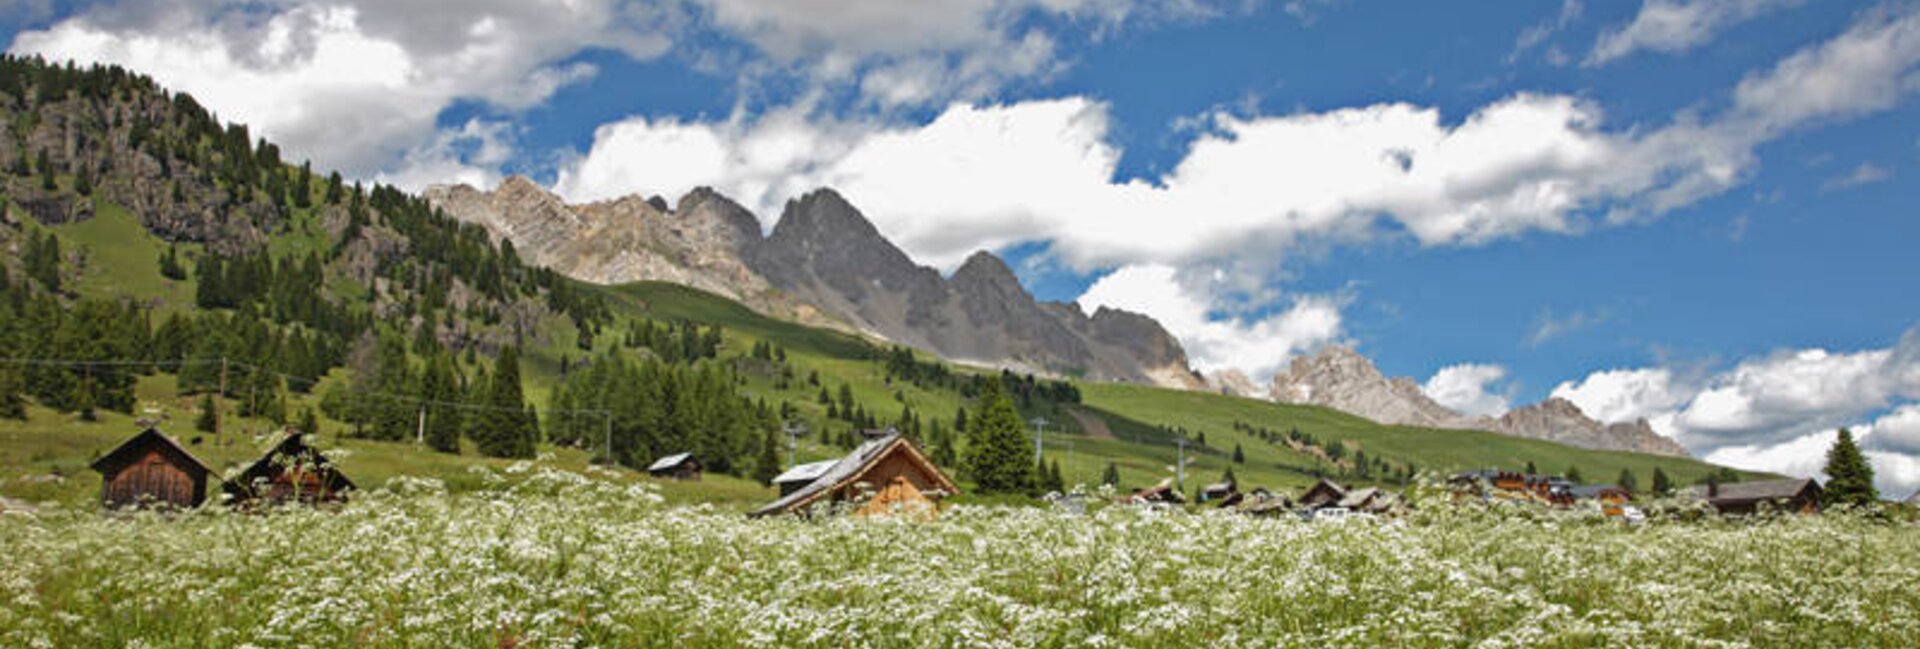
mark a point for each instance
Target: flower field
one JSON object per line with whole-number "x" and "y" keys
{"x": 547, "y": 558}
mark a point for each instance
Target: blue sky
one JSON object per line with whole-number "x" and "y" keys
{"x": 1693, "y": 212}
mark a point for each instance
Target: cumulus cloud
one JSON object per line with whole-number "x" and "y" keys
{"x": 1467, "y": 388}
{"x": 1627, "y": 395}
{"x": 1677, "y": 25}
{"x": 1256, "y": 345}
{"x": 1777, "y": 412}
{"x": 1865, "y": 174}
{"x": 356, "y": 86}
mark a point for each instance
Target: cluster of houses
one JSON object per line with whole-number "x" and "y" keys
{"x": 153, "y": 470}
{"x": 886, "y": 475}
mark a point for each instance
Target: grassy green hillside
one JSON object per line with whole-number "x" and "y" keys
{"x": 1129, "y": 424}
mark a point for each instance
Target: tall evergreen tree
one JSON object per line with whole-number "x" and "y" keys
{"x": 440, "y": 388}
{"x": 1849, "y": 476}
{"x": 503, "y": 429}
{"x": 1111, "y": 476}
{"x": 1628, "y": 480}
{"x": 208, "y": 418}
{"x": 12, "y": 404}
{"x": 768, "y": 464}
{"x": 1662, "y": 484}
{"x": 1574, "y": 476}
{"x": 996, "y": 453}
{"x": 1239, "y": 456}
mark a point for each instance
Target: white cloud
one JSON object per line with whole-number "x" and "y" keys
{"x": 1467, "y": 388}
{"x": 470, "y": 155}
{"x": 354, "y": 86}
{"x": 1678, "y": 25}
{"x": 1257, "y": 346}
{"x": 1547, "y": 327}
{"x": 1627, "y": 395}
{"x": 1778, "y": 413}
{"x": 1865, "y": 174}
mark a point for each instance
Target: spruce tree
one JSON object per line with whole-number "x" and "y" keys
{"x": 1110, "y": 477}
{"x": 996, "y": 454}
{"x": 1849, "y": 476}
{"x": 308, "y": 423}
{"x": 1628, "y": 481}
{"x": 768, "y": 465}
{"x": 502, "y": 429}
{"x": 1662, "y": 484}
{"x": 12, "y": 404}
{"x": 440, "y": 388}
{"x": 1239, "y": 456}
{"x": 1573, "y": 475}
{"x": 208, "y": 418}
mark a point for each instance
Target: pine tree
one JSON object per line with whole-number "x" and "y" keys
{"x": 1573, "y": 475}
{"x": 996, "y": 453}
{"x": 1662, "y": 485}
{"x": 502, "y": 429}
{"x": 1110, "y": 477}
{"x": 1628, "y": 480}
{"x": 1849, "y": 476}
{"x": 208, "y": 417}
{"x": 12, "y": 404}
{"x": 1239, "y": 456}
{"x": 768, "y": 465}
{"x": 1531, "y": 469}
{"x": 308, "y": 423}
{"x": 439, "y": 386}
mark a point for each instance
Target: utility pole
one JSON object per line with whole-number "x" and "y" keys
{"x": 420, "y": 430}
{"x": 220, "y": 405}
{"x": 1180, "y": 465}
{"x": 1039, "y": 428}
{"x": 793, "y": 430}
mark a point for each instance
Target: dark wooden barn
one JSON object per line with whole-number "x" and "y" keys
{"x": 151, "y": 470}
{"x": 679, "y": 466}
{"x": 291, "y": 471}
{"x": 1794, "y": 495}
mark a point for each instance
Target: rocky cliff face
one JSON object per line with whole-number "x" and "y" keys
{"x": 823, "y": 263}
{"x": 1561, "y": 421}
{"x": 1342, "y": 379}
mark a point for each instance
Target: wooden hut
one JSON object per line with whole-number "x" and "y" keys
{"x": 1795, "y": 495}
{"x": 151, "y": 470}
{"x": 873, "y": 467}
{"x": 1160, "y": 494}
{"x": 679, "y": 466}
{"x": 1322, "y": 494}
{"x": 1219, "y": 491}
{"x": 290, "y": 471}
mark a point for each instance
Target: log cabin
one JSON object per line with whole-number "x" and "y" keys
{"x": 151, "y": 470}
{"x": 1322, "y": 494}
{"x": 291, "y": 471}
{"x": 1802, "y": 496}
{"x": 870, "y": 468}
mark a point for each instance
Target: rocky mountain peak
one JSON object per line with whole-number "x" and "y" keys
{"x": 984, "y": 269}
{"x": 824, "y": 216}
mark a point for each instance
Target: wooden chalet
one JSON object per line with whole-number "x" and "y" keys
{"x": 1607, "y": 494}
{"x": 1370, "y": 500}
{"x": 1513, "y": 485}
{"x": 1160, "y": 494}
{"x": 1795, "y": 495}
{"x": 880, "y": 465}
{"x": 1261, "y": 502}
{"x": 1219, "y": 492}
{"x": 679, "y": 466}
{"x": 1325, "y": 493}
{"x": 292, "y": 471}
{"x": 151, "y": 470}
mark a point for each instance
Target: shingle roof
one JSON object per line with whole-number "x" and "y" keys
{"x": 1591, "y": 490}
{"x": 125, "y": 452}
{"x": 669, "y": 462}
{"x": 1757, "y": 490}
{"x": 1358, "y": 497}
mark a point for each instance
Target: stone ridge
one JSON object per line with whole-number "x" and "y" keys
{"x": 823, "y": 263}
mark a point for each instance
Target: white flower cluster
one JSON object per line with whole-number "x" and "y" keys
{"x": 549, "y": 558}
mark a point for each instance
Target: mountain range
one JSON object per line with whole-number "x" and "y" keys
{"x": 825, "y": 264}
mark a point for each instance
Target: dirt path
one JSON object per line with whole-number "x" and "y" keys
{"x": 1090, "y": 424}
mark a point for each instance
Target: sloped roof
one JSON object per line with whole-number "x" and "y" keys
{"x": 127, "y": 451}
{"x": 1756, "y": 490}
{"x": 1593, "y": 490}
{"x": 293, "y": 446}
{"x": 839, "y": 472}
{"x": 808, "y": 472}
{"x": 669, "y": 462}
{"x": 1358, "y": 497}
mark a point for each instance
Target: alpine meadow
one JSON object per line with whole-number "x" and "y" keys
{"x": 1090, "y": 323}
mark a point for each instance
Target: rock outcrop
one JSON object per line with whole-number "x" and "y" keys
{"x": 823, "y": 263}
{"x": 1340, "y": 378}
